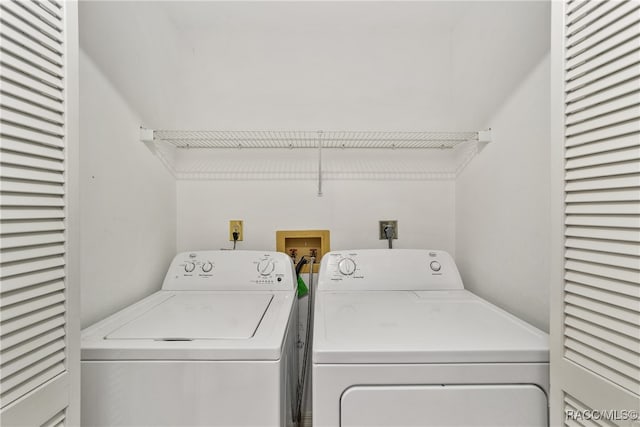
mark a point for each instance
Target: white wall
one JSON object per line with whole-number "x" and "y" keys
{"x": 349, "y": 209}
{"x": 503, "y": 227}
{"x": 127, "y": 203}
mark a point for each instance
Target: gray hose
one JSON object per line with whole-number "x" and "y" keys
{"x": 307, "y": 343}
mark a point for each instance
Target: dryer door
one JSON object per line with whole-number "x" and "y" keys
{"x": 444, "y": 405}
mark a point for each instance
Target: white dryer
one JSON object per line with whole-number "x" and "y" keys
{"x": 399, "y": 342}
{"x": 214, "y": 347}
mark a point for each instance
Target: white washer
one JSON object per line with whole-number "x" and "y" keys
{"x": 214, "y": 347}
{"x": 399, "y": 342}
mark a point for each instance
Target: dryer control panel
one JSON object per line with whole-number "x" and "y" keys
{"x": 230, "y": 270}
{"x": 385, "y": 269}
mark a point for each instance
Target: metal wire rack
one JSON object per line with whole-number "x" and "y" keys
{"x": 173, "y": 148}
{"x": 310, "y": 139}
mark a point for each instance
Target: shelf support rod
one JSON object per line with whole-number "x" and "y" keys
{"x": 320, "y": 133}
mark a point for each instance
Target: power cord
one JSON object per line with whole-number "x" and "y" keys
{"x": 235, "y": 235}
{"x": 388, "y": 233}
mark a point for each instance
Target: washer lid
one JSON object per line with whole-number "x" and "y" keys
{"x": 420, "y": 327}
{"x": 184, "y": 317}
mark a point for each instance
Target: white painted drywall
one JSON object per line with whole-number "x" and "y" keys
{"x": 127, "y": 203}
{"x": 503, "y": 224}
{"x": 349, "y": 209}
{"x": 423, "y": 65}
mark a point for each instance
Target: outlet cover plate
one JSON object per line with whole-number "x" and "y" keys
{"x": 382, "y": 224}
{"x": 235, "y": 225}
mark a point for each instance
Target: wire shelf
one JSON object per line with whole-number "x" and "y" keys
{"x": 312, "y": 139}
{"x": 173, "y": 149}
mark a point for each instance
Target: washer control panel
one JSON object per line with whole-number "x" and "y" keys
{"x": 230, "y": 270}
{"x": 383, "y": 269}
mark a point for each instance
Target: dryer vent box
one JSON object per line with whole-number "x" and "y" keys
{"x": 299, "y": 243}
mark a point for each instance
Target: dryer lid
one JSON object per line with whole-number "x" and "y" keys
{"x": 420, "y": 327}
{"x": 185, "y": 317}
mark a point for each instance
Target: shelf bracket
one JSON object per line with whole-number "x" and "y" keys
{"x": 146, "y": 135}
{"x": 484, "y": 136}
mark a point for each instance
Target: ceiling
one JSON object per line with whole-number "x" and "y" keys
{"x": 335, "y": 65}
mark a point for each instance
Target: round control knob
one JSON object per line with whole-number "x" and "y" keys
{"x": 435, "y": 266}
{"x": 189, "y": 267}
{"x": 266, "y": 267}
{"x": 347, "y": 266}
{"x": 207, "y": 266}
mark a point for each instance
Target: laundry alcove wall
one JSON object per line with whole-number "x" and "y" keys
{"x": 415, "y": 66}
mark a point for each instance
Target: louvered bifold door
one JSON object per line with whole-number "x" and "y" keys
{"x": 33, "y": 345}
{"x": 596, "y": 362}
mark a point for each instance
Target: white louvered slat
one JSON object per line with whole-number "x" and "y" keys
{"x": 579, "y": 12}
{"x": 16, "y": 90}
{"x": 15, "y": 131}
{"x": 619, "y": 56}
{"x": 615, "y": 221}
{"x": 11, "y": 368}
{"x": 30, "y": 200}
{"x": 615, "y": 195}
{"x": 602, "y": 271}
{"x": 605, "y": 359}
{"x": 603, "y": 183}
{"x": 19, "y": 118}
{"x": 9, "y": 298}
{"x": 604, "y": 41}
{"x": 603, "y": 333}
{"x": 31, "y": 213}
{"x": 57, "y": 420}
{"x": 15, "y": 75}
{"x": 604, "y": 158}
{"x": 23, "y": 147}
{"x": 619, "y": 116}
{"x": 626, "y": 168}
{"x": 51, "y": 21}
{"x": 627, "y": 141}
{"x": 31, "y": 43}
{"x": 608, "y": 14}
{"x": 33, "y": 252}
{"x": 616, "y": 130}
{"x": 628, "y": 208}
{"x": 24, "y": 17}
{"x": 625, "y": 248}
{"x": 31, "y": 187}
{"x": 598, "y": 307}
{"x": 14, "y": 325}
{"x": 31, "y": 266}
{"x": 627, "y": 21}
{"x": 604, "y": 295}
{"x": 16, "y": 340}
{"x": 621, "y": 353}
{"x": 37, "y": 341}
{"x": 616, "y": 104}
{"x": 11, "y": 158}
{"x": 37, "y": 375}
{"x": 577, "y": 406}
{"x": 620, "y": 83}
{"x": 12, "y": 50}
{"x": 13, "y": 227}
{"x": 31, "y": 305}
{"x": 621, "y": 234}
{"x": 14, "y": 103}
{"x": 16, "y": 172}
{"x": 603, "y": 370}
{"x": 624, "y": 261}
{"x": 609, "y": 322}
{"x": 31, "y": 239}
{"x": 43, "y": 365}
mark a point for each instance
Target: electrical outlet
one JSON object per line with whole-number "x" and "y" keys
{"x": 235, "y": 225}
{"x": 382, "y": 224}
